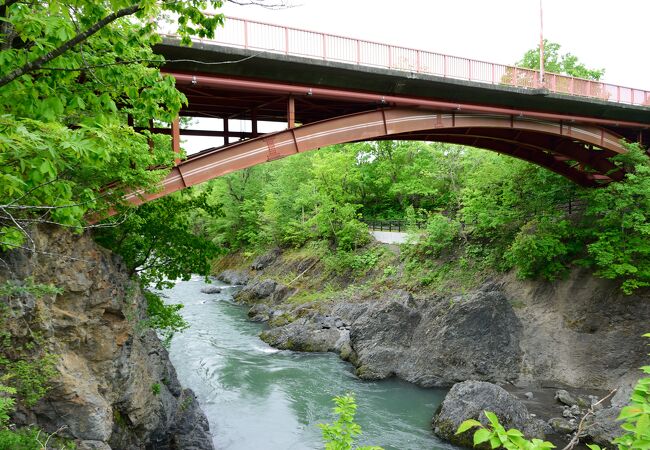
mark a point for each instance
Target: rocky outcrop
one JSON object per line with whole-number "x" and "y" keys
{"x": 430, "y": 342}
{"x": 602, "y": 427}
{"x": 436, "y": 342}
{"x": 115, "y": 386}
{"x": 234, "y": 277}
{"x": 265, "y": 260}
{"x": 313, "y": 332}
{"x": 580, "y": 331}
{"x": 469, "y": 399}
{"x": 265, "y": 290}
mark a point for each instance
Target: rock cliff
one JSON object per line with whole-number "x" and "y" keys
{"x": 114, "y": 386}
{"x": 578, "y": 332}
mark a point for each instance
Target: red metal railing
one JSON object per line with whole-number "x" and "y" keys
{"x": 255, "y": 35}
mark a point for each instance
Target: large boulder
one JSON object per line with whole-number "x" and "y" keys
{"x": 211, "y": 290}
{"x": 437, "y": 342}
{"x": 469, "y": 399}
{"x": 234, "y": 277}
{"x": 312, "y": 333}
{"x": 264, "y": 290}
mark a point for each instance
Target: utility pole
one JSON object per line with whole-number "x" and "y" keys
{"x": 541, "y": 45}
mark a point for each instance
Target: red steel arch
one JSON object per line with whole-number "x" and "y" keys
{"x": 576, "y": 151}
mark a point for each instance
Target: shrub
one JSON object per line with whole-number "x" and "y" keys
{"x": 441, "y": 233}
{"x": 340, "y": 435}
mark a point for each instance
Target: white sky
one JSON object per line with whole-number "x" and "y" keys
{"x": 602, "y": 33}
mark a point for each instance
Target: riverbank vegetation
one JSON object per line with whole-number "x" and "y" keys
{"x": 482, "y": 213}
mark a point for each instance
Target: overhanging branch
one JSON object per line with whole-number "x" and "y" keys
{"x": 38, "y": 63}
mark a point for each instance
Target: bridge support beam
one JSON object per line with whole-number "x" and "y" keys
{"x": 176, "y": 139}
{"x": 291, "y": 112}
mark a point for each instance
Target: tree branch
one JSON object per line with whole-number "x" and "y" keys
{"x": 38, "y": 63}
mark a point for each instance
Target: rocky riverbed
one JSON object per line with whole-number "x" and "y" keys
{"x": 579, "y": 335}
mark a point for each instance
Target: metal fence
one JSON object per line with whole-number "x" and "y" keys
{"x": 393, "y": 225}
{"x": 254, "y": 35}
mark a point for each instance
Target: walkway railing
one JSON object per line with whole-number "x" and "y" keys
{"x": 392, "y": 225}
{"x": 255, "y": 35}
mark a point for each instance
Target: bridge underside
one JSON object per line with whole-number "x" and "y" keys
{"x": 575, "y": 147}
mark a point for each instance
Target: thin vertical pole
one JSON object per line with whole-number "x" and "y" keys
{"x": 541, "y": 45}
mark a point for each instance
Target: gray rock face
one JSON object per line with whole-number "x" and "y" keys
{"x": 468, "y": 400}
{"x": 434, "y": 343}
{"x": 312, "y": 333}
{"x": 564, "y": 397}
{"x": 103, "y": 391}
{"x": 265, "y": 290}
{"x": 566, "y": 322}
{"x": 428, "y": 342}
{"x": 262, "y": 262}
{"x": 234, "y": 277}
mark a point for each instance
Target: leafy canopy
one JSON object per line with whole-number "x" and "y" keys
{"x": 157, "y": 240}
{"x": 560, "y": 63}
{"x": 77, "y": 79}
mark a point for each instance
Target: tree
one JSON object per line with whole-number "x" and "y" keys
{"x": 156, "y": 240}
{"x": 555, "y": 62}
{"x": 78, "y": 83}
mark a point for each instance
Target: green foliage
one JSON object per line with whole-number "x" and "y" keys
{"x": 164, "y": 318}
{"x": 15, "y": 288}
{"x": 486, "y": 210}
{"x": 340, "y": 434}
{"x": 155, "y": 389}
{"x": 30, "y": 376}
{"x": 617, "y": 224}
{"x": 31, "y": 438}
{"x": 440, "y": 234}
{"x": 495, "y": 435}
{"x": 7, "y": 403}
{"x": 157, "y": 240}
{"x": 541, "y": 248}
{"x": 72, "y": 74}
{"x": 355, "y": 263}
{"x": 555, "y": 62}
{"x": 636, "y": 416}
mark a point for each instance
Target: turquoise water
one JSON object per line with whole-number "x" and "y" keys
{"x": 257, "y": 397}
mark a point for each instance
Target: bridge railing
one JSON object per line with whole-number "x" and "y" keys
{"x": 254, "y": 35}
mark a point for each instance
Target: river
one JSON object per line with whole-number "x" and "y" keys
{"x": 259, "y": 398}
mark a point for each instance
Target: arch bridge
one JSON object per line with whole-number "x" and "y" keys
{"x": 329, "y": 89}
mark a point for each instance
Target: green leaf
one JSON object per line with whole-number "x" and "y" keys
{"x": 481, "y": 436}
{"x": 466, "y": 425}
{"x": 494, "y": 420}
